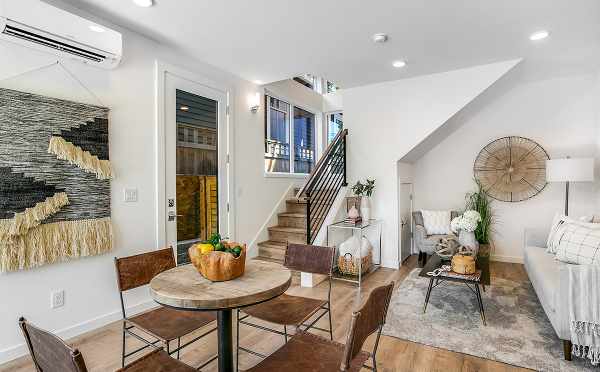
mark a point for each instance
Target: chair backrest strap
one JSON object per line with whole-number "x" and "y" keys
{"x": 50, "y": 353}
{"x": 369, "y": 319}
{"x": 136, "y": 271}
{"x": 309, "y": 258}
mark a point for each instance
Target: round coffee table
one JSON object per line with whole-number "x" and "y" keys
{"x": 184, "y": 288}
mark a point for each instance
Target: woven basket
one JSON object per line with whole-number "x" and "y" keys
{"x": 349, "y": 265}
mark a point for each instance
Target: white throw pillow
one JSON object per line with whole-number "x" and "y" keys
{"x": 554, "y": 237}
{"x": 436, "y": 222}
{"x": 579, "y": 245}
{"x": 558, "y": 230}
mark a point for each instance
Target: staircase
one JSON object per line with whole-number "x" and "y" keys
{"x": 304, "y": 214}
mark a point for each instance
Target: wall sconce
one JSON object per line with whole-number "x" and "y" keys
{"x": 254, "y": 102}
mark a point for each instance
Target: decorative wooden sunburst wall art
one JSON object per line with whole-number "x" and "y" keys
{"x": 511, "y": 169}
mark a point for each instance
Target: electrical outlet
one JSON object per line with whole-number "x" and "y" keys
{"x": 131, "y": 195}
{"x": 57, "y": 299}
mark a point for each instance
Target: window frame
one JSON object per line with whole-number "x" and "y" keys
{"x": 292, "y": 139}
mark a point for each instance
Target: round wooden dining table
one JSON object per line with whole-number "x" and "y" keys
{"x": 184, "y": 288}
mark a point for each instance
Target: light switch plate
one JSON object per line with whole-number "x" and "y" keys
{"x": 131, "y": 195}
{"x": 57, "y": 299}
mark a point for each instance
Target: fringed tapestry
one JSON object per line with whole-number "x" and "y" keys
{"x": 54, "y": 180}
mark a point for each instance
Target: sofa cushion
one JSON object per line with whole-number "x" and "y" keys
{"x": 436, "y": 222}
{"x": 543, "y": 271}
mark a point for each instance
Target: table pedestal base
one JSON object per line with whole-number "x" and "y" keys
{"x": 225, "y": 340}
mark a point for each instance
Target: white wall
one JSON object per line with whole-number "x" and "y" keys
{"x": 561, "y": 114}
{"x": 386, "y": 120}
{"x": 129, "y": 91}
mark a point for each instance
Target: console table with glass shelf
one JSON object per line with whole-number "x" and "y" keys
{"x": 361, "y": 229}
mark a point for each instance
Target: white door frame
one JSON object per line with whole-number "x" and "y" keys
{"x": 161, "y": 70}
{"x": 410, "y": 222}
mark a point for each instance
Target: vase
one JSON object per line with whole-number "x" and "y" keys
{"x": 467, "y": 239}
{"x": 365, "y": 208}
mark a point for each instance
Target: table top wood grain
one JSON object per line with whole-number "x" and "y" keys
{"x": 183, "y": 287}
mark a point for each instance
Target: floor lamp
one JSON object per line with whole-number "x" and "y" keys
{"x": 570, "y": 170}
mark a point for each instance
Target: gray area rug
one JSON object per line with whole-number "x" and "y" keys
{"x": 517, "y": 332}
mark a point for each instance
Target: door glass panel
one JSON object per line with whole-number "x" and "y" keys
{"x": 197, "y": 167}
{"x": 304, "y": 141}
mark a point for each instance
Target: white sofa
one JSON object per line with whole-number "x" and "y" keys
{"x": 550, "y": 280}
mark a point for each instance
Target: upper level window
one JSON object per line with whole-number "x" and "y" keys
{"x": 286, "y": 139}
{"x": 335, "y": 123}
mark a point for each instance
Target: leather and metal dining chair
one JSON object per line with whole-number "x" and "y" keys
{"x": 287, "y": 310}
{"x": 51, "y": 354}
{"x": 306, "y": 352}
{"x": 163, "y": 324}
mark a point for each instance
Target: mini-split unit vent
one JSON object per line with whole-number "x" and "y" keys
{"x": 35, "y": 24}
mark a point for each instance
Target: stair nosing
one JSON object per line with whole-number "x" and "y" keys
{"x": 291, "y": 230}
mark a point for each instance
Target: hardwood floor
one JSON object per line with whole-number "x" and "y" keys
{"x": 101, "y": 348}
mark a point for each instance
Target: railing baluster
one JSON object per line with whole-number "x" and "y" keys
{"x": 324, "y": 183}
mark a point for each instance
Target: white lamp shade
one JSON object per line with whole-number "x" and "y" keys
{"x": 570, "y": 170}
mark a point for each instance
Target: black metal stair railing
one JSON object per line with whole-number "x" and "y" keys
{"x": 323, "y": 185}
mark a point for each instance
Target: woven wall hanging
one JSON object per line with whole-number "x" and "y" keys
{"x": 512, "y": 169}
{"x": 54, "y": 180}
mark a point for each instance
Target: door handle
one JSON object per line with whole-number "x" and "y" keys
{"x": 172, "y": 215}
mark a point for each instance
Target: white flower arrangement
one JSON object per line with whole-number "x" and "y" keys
{"x": 467, "y": 222}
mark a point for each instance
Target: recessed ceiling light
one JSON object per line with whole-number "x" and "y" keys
{"x": 97, "y": 28}
{"x": 399, "y": 63}
{"x": 539, "y": 35}
{"x": 184, "y": 108}
{"x": 143, "y": 3}
{"x": 380, "y": 38}
{"x": 258, "y": 82}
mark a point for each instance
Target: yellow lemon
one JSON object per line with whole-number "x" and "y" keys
{"x": 205, "y": 247}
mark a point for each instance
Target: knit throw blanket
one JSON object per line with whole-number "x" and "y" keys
{"x": 584, "y": 309}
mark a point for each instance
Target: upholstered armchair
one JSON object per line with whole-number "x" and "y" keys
{"x": 426, "y": 244}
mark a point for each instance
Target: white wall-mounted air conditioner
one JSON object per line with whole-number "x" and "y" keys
{"x": 38, "y": 25}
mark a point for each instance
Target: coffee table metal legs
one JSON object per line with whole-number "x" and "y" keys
{"x": 225, "y": 341}
{"x": 428, "y": 294}
{"x": 477, "y": 294}
{"x": 480, "y": 300}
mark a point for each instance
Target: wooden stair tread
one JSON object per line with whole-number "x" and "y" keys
{"x": 273, "y": 244}
{"x": 292, "y": 230}
{"x": 292, "y": 214}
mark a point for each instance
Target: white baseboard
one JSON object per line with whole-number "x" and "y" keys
{"x": 510, "y": 259}
{"x": 19, "y": 350}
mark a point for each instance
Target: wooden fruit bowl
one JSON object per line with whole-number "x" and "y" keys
{"x": 218, "y": 266}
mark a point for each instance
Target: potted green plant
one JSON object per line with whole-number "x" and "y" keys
{"x": 479, "y": 201}
{"x": 364, "y": 191}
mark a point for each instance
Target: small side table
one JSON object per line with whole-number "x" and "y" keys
{"x": 358, "y": 230}
{"x": 472, "y": 281}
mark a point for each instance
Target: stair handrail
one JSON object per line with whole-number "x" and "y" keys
{"x": 313, "y": 176}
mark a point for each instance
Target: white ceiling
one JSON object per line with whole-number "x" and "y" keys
{"x": 270, "y": 40}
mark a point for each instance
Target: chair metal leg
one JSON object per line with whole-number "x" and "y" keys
{"x": 123, "y": 347}
{"x": 285, "y": 333}
{"x": 178, "y": 346}
{"x": 330, "y": 322}
{"x": 374, "y": 356}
